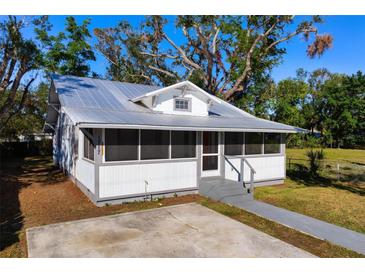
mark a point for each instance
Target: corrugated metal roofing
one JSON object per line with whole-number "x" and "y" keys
{"x": 82, "y": 92}
{"x": 94, "y": 101}
{"x": 92, "y": 116}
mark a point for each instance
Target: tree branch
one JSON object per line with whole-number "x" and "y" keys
{"x": 182, "y": 53}
{"x": 163, "y": 71}
{"x": 214, "y": 43}
{"x": 11, "y": 97}
{"x": 248, "y": 68}
{"x": 20, "y": 106}
{"x": 6, "y": 81}
{"x": 5, "y": 62}
{"x": 159, "y": 55}
{"x": 208, "y": 75}
{"x": 289, "y": 36}
{"x": 140, "y": 75}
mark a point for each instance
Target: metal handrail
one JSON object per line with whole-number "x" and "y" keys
{"x": 241, "y": 173}
{"x": 252, "y": 174}
{"x": 230, "y": 163}
{"x": 249, "y": 165}
{"x": 240, "y": 176}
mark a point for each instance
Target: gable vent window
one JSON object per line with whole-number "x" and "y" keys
{"x": 182, "y": 104}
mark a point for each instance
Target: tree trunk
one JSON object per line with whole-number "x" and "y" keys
{"x": 11, "y": 97}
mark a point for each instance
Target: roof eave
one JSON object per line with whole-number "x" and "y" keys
{"x": 174, "y": 86}
{"x": 161, "y": 127}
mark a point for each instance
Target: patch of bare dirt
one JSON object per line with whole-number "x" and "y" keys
{"x": 34, "y": 192}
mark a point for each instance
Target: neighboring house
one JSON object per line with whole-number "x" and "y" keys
{"x": 28, "y": 137}
{"x": 34, "y": 137}
{"x": 122, "y": 141}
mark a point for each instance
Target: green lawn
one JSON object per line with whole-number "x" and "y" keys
{"x": 341, "y": 202}
{"x": 33, "y": 193}
{"x": 342, "y": 155}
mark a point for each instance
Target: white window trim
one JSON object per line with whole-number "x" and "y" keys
{"x": 184, "y": 99}
{"x": 211, "y": 172}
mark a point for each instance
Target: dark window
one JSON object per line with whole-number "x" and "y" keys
{"x": 182, "y": 104}
{"x": 210, "y": 162}
{"x": 88, "y": 143}
{"x": 233, "y": 142}
{"x": 183, "y": 144}
{"x": 210, "y": 142}
{"x": 154, "y": 144}
{"x": 272, "y": 143}
{"x": 253, "y": 143}
{"x": 121, "y": 144}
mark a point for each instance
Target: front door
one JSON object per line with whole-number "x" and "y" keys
{"x": 210, "y": 154}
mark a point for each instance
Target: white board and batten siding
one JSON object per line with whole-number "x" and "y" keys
{"x": 136, "y": 179}
{"x": 85, "y": 169}
{"x": 165, "y": 104}
{"x": 85, "y": 174}
{"x": 64, "y": 143}
{"x": 267, "y": 168}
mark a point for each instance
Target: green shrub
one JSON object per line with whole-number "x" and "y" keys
{"x": 315, "y": 160}
{"x": 45, "y": 147}
{"x": 303, "y": 141}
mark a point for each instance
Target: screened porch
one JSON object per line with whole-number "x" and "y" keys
{"x": 132, "y": 161}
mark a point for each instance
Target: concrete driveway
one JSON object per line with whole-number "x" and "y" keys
{"x": 188, "y": 230}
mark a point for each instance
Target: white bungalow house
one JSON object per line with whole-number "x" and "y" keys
{"x": 121, "y": 141}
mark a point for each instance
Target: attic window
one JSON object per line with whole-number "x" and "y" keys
{"x": 182, "y": 104}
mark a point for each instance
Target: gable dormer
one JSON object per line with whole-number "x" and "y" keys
{"x": 183, "y": 98}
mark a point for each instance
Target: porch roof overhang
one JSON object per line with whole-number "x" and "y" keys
{"x": 188, "y": 128}
{"x": 84, "y": 117}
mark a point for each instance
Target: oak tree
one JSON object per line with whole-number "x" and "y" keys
{"x": 67, "y": 52}
{"x": 222, "y": 54}
{"x": 19, "y": 57}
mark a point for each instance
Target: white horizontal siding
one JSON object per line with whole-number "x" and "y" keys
{"x": 131, "y": 179}
{"x": 85, "y": 174}
{"x": 267, "y": 168}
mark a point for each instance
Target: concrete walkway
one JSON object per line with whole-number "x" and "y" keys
{"x": 232, "y": 193}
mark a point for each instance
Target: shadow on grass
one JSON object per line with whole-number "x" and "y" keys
{"x": 356, "y": 163}
{"x": 302, "y": 175}
{"x": 11, "y": 219}
{"x": 15, "y": 175}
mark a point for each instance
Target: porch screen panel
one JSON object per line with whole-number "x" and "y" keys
{"x": 210, "y": 151}
{"x": 183, "y": 144}
{"x": 155, "y": 144}
{"x": 121, "y": 144}
{"x": 88, "y": 144}
{"x": 210, "y": 163}
{"x": 233, "y": 142}
{"x": 272, "y": 143}
{"x": 210, "y": 142}
{"x": 253, "y": 143}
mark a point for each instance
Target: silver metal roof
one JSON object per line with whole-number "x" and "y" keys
{"x": 100, "y": 103}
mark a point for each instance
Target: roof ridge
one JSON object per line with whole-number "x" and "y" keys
{"x": 100, "y": 79}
